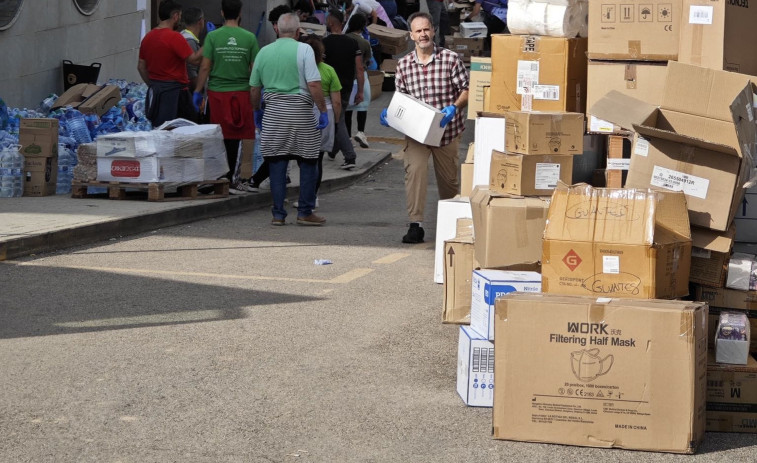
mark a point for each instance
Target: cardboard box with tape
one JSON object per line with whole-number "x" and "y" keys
{"x": 90, "y": 98}
{"x": 731, "y": 396}
{"x": 612, "y": 373}
{"x": 616, "y": 243}
{"x": 529, "y": 174}
{"x": 459, "y": 262}
{"x": 544, "y": 132}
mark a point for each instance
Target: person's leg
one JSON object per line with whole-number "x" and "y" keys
{"x": 320, "y": 172}
{"x": 444, "y": 28}
{"x": 308, "y": 181}
{"x": 261, "y": 174}
{"x": 362, "y": 118}
{"x": 348, "y": 122}
{"x": 342, "y": 143}
{"x": 232, "y": 153}
{"x": 278, "y": 172}
{"x": 416, "y": 178}
{"x": 446, "y": 168}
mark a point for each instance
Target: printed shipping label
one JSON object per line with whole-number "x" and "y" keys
{"x": 547, "y": 175}
{"x": 618, "y": 164}
{"x": 600, "y": 125}
{"x": 678, "y": 181}
{"x": 611, "y": 264}
{"x": 528, "y": 76}
{"x": 642, "y": 147}
{"x": 699, "y": 14}
{"x": 547, "y": 92}
{"x": 526, "y": 102}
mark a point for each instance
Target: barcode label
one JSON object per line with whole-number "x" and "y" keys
{"x": 547, "y": 92}
{"x": 527, "y": 77}
{"x": 699, "y": 14}
{"x": 491, "y": 359}
{"x": 476, "y": 360}
{"x": 678, "y": 181}
{"x": 546, "y": 176}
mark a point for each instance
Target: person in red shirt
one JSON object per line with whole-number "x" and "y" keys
{"x": 163, "y": 58}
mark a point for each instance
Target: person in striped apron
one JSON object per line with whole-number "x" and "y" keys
{"x": 289, "y": 129}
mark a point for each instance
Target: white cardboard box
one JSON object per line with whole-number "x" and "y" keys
{"x": 447, "y": 213}
{"x": 150, "y": 169}
{"x": 489, "y": 135}
{"x": 487, "y": 286}
{"x": 473, "y": 29}
{"x": 475, "y": 369}
{"x": 415, "y": 119}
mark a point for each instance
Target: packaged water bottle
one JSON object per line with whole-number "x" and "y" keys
{"x": 77, "y": 126}
{"x": 3, "y": 115}
{"x": 18, "y": 171}
{"x": 6, "y": 173}
{"x": 65, "y": 172}
{"x": 47, "y": 104}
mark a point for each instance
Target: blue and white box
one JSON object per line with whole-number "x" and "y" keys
{"x": 488, "y": 285}
{"x": 475, "y": 369}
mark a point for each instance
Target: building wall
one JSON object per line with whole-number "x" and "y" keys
{"x": 49, "y": 31}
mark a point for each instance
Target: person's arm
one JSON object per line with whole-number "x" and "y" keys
{"x": 142, "y": 69}
{"x": 360, "y": 76}
{"x": 203, "y": 73}
{"x": 475, "y": 12}
{"x": 255, "y": 97}
{"x": 462, "y": 100}
{"x": 374, "y": 17}
{"x": 336, "y": 104}
{"x": 317, "y": 93}
{"x": 195, "y": 58}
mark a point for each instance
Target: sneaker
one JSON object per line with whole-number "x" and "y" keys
{"x": 237, "y": 189}
{"x": 246, "y": 186}
{"x": 348, "y": 165}
{"x": 414, "y": 234}
{"x": 362, "y": 139}
{"x": 312, "y": 219}
{"x": 277, "y": 222}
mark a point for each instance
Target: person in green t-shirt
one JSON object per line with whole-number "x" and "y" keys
{"x": 228, "y": 55}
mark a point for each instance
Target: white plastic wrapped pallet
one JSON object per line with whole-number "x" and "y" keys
{"x": 555, "y": 18}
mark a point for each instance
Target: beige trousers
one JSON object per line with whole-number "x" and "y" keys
{"x": 446, "y": 163}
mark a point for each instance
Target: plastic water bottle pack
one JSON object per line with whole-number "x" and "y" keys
{"x": 11, "y": 172}
{"x": 66, "y": 162}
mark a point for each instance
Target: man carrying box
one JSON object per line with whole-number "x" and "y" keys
{"x": 437, "y": 77}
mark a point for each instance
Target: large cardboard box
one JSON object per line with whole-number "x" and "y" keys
{"x": 745, "y": 220}
{"x": 544, "y": 132}
{"x": 459, "y": 262}
{"x": 465, "y": 47}
{"x": 416, "y": 119}
{"x": 38, "y": 139}
{"x": 731, "y": 396}
{"x": 622, "y": 30}
{"x": 489, "y": 284}
{"x": 507, "y": 229}
{"x": 549, "y": 73}
{"x": 709, "y": 255}
{"x": 448, "y": 211}
{"x": 480, "y": 77}
{"x": 90, "y": 98}
{"x": 700, "y": 141}
{"x": 642, "y": 80}
{"x": 475, "y": 368}
{"x": 466, "y": 179}
{"x": 610, "y": 242}
{"x": 529, "y": 174}
{"x": 376, "y": 80}
{"x": 613, "y": 373}
{"x": 715, "y": 34}
{"x": 393, "y": 41}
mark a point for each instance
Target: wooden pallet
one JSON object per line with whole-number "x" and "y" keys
{"x": 154, "y": 191}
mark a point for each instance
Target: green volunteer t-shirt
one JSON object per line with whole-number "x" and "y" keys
{"x": 329, "y": 80}
{"x": 232, "y": 51}
{"x": 285, "y": 66}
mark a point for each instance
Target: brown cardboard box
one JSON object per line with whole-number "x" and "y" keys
{"x": 715, "y": 34}
{"x": 621, "y": 30}
{"x": 466, "y": 179}
{"x": 376, "y": 80}
{"x": 508, "y": 228}
{"x": 465, "y": 47}
{"x": 639, "y": 79}
{"x": 552, "y": 69}
{"x": 691, "y": 143}
{"x": 613, "y": 373}
{"x": 389, "y": 65}
{"x": 459, "y": 262}
{"x": 731, "y": 396}
{"x": 709, "y": 255}
{"x": 40, "y": 175}
{"x": 618, "y": 160}
{"x": 90, "y": 98}
{"x": 549, "y": 132}
{"x": 720, "y": 299}
{"x": 393, "y": 41}
{"x": 616, "y": 243}
{"x": 480, "y": 77}
{"x": 528, "y": 174}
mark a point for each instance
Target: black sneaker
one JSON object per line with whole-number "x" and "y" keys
{"x": 348, "y": 165}
{"x": 414, "y": 234}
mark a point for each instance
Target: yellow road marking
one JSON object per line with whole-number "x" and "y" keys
{"x": 350, "y": 276}
{"x": 391, "y": 258}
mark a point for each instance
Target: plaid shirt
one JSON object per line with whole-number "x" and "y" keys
{"x": 438, "y": 83}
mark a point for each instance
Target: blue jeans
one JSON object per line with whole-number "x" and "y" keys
{"x": 308, "y": 178}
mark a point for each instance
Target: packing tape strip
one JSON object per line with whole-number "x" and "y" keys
{"x": 697, "y": 44}
{"x": 634, "y": 49}
{"x": 596, "y": 312}
{"x": 630, "y": 76}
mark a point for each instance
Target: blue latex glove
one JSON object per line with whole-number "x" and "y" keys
{"x": 449, "y": 113}
{"x": 210, "y": 26}
{"x": 197, "y": 100}
{"x": 382, "y": 118}
{"x": 323, "y": 121}
{"x": 259, "y": 118}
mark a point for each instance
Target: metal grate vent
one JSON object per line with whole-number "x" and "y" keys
{"x": 9, "y": 10}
